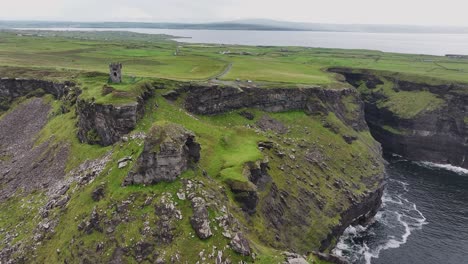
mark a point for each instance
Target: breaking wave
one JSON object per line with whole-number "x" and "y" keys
{"x": 392, "y": 225}
{"x": 431, "y": 165}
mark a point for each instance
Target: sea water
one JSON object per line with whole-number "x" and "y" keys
{"x": 423, "y": 218}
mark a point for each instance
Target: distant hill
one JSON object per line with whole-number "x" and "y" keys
{"x": 252, "y": 24}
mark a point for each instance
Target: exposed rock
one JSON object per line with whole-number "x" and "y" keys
{"x": 240, "y": 244}
{"x": 94, "y": 223}
{"x": 89, "y": 170}
{"x": 349, "y": 139}
{"x": 267, "y": 123}
{"x": 62, "y": 202}
{"x": 331, "y": 258}
{"x": 181, "y": 195}
{"x": 171, "y": 95}
{"x": 200, "y": 221}
{"x": 438, "y": 136}
{"x": 168, "y": 215}
{"x": 212, "y": 99}
{"x": 246, "y": 194}
{"x": 314, "y": 156}
{"x": 357, "y": 214}
{"x": 11, "y": 89}
{"x": 266, "y": 145}
{"x": 105, "y": 124}
{"x": 123, "y": 164}
{"x": 292, "y": 258}
{"x": 142, "y": 250}
{"x": 169, "y": 150}
{"x": 124, "y": 159}
{"x": 257, "y": 173}
{"x": 247, "y": 115}
{"x": 98, "y": 193}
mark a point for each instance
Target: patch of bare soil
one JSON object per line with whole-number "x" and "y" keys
{"x": 24, "y": 167}
{"x": 267, "y": 123}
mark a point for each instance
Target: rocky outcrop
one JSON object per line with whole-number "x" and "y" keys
{"x": 213, "y": 99}
{"x": 169, "y": 150}
{"x": 106, "y": 124}
{"x": 240, "y": 244}
{"x": 439, "y": 135}
{"x": 246, "y": 193}
{"x": 331, "y": 258}
{"x": 11, "y": 88}
{"x": 200, "y": 221}
{"x": 359, "y": 213}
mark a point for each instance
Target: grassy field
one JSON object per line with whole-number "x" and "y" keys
{"x": 156, "y": 56}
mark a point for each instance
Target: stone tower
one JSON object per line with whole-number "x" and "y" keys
{"x": 115, "y": 73}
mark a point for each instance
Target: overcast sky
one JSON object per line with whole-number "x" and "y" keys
{"x": 416, "y": 12}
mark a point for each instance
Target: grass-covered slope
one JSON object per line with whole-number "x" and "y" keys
{"x": 310, "y": 162}
{"x": 287, "y": 180}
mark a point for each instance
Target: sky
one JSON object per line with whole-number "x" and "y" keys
{"x": 403, "y": 12}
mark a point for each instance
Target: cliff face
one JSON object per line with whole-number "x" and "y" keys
{"x": 105, "y": 124}
{"x": 11, "y": 88}
{"x": 210, "y": 100}
{"x": 279, "y": 206}
{"x": 169, "y": 150}
{"x": 437, "y": 133}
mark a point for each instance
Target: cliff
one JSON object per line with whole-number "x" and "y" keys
{"x": 420, "y": 121}
{"x": 284, "y": 168}
{"x": 12, "y": 88}
{"x": 214, "y": 99}
{"x": 105, "y": 124}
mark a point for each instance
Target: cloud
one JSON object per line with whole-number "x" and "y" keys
{"x": 28, "y": 9}
{"x": 421, "y": 12}
{"x": 127, "y": 13}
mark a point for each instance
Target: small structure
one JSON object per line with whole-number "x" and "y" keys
{"x": 115, "y": 72}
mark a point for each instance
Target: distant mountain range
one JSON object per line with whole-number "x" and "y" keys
{"x": 252, "y": 24}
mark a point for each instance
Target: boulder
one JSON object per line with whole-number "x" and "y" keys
{"x": 200, "y": 221}
{"x": 331, "y": 258}
{"x": 98, "y": 194}
{"x": 267, "y": 123}
{"x": 169, "y": 150}
{"x": 240, "y": 244}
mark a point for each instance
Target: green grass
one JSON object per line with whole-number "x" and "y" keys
{"x": 228, "y": 140}
{"x": 153, "y": 56}
{"x": 61, "y": 129}
{"x": 226, "y": 143}
{"x": 408, "y": 104}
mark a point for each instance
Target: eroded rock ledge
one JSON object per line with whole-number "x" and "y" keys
{"x": 359, "y": 213}
{"x": 105, "y": 124}
{"x": 169, "y": 150}
{"x": 12, "y": 88}
{"x": 440, "y": 135}
{"x": 214, "y": 99}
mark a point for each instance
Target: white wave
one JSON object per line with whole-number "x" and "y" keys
{"x": 402, "y": 183}
{"x": 387, "y": 199}
{"x": 397, "y": 213}
{"x": 458, "y": 170}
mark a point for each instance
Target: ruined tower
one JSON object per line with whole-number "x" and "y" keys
{"x": 115, "y": 74}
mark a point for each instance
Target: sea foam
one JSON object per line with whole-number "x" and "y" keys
{"x": 458, "y": 170}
